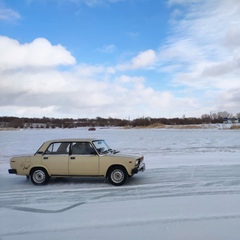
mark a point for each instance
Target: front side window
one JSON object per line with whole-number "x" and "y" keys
{"x": 58, "y": 148}
{"x": 82, "y": 148}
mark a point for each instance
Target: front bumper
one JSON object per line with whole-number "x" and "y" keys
{"x": 140, "y": 168}
{"x": 12, "y": 171}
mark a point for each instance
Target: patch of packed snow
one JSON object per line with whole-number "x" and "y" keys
{"x": 190, "y": 189}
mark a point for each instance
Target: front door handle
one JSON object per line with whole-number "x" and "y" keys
{"x": 45, "y": 157}
{"x": 72, "y": 157}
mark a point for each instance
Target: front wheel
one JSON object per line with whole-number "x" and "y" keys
{"x": 117, "y": 176}
{"x": 39, "y": 176}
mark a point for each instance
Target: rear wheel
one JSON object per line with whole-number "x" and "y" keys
{"x": 117, "y": 175}
{"x": 39, "y": 176}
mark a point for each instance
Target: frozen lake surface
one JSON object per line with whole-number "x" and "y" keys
{"x": 190, "y": 189}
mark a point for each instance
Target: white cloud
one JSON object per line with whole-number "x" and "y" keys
{"x": 133, "y": 34}
{"x": 88, "y": 70}
{"x": 127, "y": 79}
{"x": 176, "y": 13}
{"x": 229, "y": 100}
{"x": 93, "y": 3}
{"x": 183, "y": 2}
{"x": 233, "y": 35}
{"x": 107, "y": 48}
{"x": 39, "y": 53}
{"x": 201, "y": 56}
{"x": 83, "y": 91}
{"x": 221, "y": 69}
{"x": 203, "y": 52}
{"x": 7, "y": 14}
{"x": 182, "y": 51}
{"x": 143, "y": 60}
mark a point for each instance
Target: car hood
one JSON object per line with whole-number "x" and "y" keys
{"x": 20, "y": 157}
{"x": 128, "y": 155}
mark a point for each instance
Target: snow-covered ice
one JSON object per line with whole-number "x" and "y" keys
{"x": 190, "y": 189}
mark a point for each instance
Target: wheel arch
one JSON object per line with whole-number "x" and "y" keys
{"x": 39, "y": 167}
{"x": 39, "y": 176}
{"x": 114, "y": 166}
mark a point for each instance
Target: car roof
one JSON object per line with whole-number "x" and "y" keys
{"x": 73, "y": 140}
{"x": 47, "y": 143}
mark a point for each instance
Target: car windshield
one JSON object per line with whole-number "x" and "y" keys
{"x": 101, "y": 146}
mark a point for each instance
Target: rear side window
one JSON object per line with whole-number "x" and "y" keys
{"x": 58, "y": 148}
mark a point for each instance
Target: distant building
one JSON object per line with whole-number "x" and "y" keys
{"x": 35, "y": 125}
{"x": 235, "y": 120}
{"x": 230, "y": 120}
{"x": 227, "y": 120}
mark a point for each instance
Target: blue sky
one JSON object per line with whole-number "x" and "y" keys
{"x": 119, "y": 58}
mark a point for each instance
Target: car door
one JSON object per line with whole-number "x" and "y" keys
{"x": 83, "y": 159}
{"x": 56, "y": 158}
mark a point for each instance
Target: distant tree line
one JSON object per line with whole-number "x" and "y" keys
{"x": 45, "y": 122}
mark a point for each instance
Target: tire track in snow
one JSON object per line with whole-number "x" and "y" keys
{"x": 36, "y": 210}
{"x": 157, "y": 183}
{"x": 127, "y": 223}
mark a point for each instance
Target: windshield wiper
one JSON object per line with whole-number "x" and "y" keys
{"x": 114, "y": 151}
{"x": 106, "y": 151}
{"x": 109, "y": 151}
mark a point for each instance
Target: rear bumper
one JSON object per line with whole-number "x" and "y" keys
{"x": 12, "y": 171}
{"x": 141, "y": 168}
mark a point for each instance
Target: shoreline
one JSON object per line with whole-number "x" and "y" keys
{"x": 10, "y": 129}
{"x": 153, "y": 126}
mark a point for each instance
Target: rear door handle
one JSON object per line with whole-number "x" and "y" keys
{"x": 45, "y": 157}
{"x": 72, "y": 157}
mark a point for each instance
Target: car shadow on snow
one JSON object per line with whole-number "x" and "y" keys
{"x": 91, "y": 181}
{"x": 76, "y": 180}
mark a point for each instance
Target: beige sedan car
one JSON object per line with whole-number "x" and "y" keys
{"x": 77, "y": 157}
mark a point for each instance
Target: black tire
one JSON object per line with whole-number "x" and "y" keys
{"x": 39, "y": 176}
{"x": 117, "y": 176}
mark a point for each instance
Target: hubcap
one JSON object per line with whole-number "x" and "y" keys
{"x": 117, "y": 176}
{"x": 39, "y": 176}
